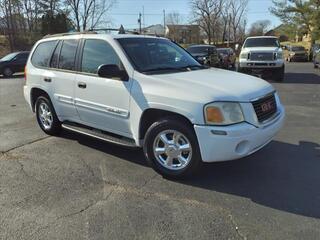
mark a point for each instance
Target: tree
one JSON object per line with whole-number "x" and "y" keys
{"x": 259, "y": 28}
{"x": 238, "y": 10}
{"x": 207, "y": 14}
{"x": 304, "y": 14}
{"x": 174, "y": 19}
{"x": 88, "y": 14}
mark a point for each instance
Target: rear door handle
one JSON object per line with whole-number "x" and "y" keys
{"x": 47, "y": 79}
{"x": 82, "y": 85}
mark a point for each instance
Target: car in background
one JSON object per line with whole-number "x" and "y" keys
{"x": 316, "y": 59}
{"x": 227, "y": 57}
{"x": 296, "y": 53}
{"x": 13, "y": 63}
{"x": 262, "y": 56}
{"x": 205, "y": 54}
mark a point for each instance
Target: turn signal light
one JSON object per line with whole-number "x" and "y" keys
{"x": 214, "y": 115}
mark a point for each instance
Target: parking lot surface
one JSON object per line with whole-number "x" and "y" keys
{"x": 75, "y": 187}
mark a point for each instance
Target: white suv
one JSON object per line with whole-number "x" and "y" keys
{"x": 262, "y": 55}
{"x": 148, "y": 92}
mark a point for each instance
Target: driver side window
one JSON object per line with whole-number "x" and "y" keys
{"x": 96, "y": 53}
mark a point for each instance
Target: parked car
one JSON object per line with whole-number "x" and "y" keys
{"x": 263, "y": 56}
{"x": 296, "y": 53}
{"x": 227, "y": 57}
{"x": 13, "y": 63}
{"x": 205, "y": 54}
{"x": 315, "y": 47}
{"x": 128, "y": 90}
{"x": 316, "y": 59}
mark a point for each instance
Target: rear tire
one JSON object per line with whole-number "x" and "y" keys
{"x": 46, "y": 116}
{"x": 171, "y": 148}
{"x": 7, "y": 72}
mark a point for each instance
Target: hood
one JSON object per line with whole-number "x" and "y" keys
{"x": 208, "y": 85}
{"x": 262, "y": 49}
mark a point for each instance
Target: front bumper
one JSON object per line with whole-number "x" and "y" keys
{"x": 244, "y": 63}
{"x": 240, "y": 140}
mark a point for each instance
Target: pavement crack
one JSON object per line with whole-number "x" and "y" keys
{"x": 237, "y": 228}
{"x": 85, "y": 208}
{"x": 148, "y": 181}
{"x": 23, "y": 145}
{"x": 27, "y": 174}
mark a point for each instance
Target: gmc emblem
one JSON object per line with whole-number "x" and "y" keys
{"x": 265, "y": 107}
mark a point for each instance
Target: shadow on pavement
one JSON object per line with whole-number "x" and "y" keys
{"x": 282, "y": 176}
{"x": 304, "y": 78}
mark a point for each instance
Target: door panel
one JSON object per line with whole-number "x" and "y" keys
{"x": 63, "y": 79}
{"x": 102, "y": 103}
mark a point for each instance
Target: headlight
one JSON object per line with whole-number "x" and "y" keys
{"x": 223, "y": 113}
{"x": 244, "y": 55}
{"x": 279, "y": 55}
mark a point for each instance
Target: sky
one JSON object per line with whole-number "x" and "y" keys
{"x": 126, "y": 12}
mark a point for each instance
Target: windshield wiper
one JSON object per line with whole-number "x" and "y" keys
{"x": 163, "y": 69}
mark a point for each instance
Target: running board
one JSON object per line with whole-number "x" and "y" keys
{"x": 99, "y": 134}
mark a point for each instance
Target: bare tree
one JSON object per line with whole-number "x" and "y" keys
{"x": 207, "y": 14}
{"x": 238, "y": 10}
{"x": 174, "y": 19}
{"x": 89, "y": 13}
{"x": 259, "y": 27}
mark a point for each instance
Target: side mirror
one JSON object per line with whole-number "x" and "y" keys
{"x": 112, "y": 71}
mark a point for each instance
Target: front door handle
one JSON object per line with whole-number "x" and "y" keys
{"x": 82, "y": 85}
{"x": 47, "y": 79}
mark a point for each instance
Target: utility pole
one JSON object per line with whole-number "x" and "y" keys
{"x": 139, "y": 21}
{"x": 164, "y": 22}
{"x": 229, "y": 23}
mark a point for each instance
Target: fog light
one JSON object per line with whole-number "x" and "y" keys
{"x": 242, "y": 147}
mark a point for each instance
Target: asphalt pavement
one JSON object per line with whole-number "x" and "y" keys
{"x": 76, "y": 187}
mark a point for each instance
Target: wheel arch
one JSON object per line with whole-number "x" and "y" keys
{"x": 34, "y": 94}
{"x": 151, "y": 115}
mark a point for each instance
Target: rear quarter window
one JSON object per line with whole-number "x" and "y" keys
{"x": 42, "y": 54}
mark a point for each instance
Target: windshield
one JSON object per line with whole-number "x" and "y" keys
{"x": 200, "y": 50}
{"x": 223, "y": 51}
{"x": 152, "y": 54}
{"x": 261, "y": 42}
{"x": 297, "y": 49}
{"x": 9, "y": 57}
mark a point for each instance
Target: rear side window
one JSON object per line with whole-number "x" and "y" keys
{"x": 97, "y": 53}
{"x": 42, "y": 54}
{"x": 68, "y": 54}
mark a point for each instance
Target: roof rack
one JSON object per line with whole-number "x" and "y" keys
{"x": 68, "y": 34}
{"x": 120, "y": 30}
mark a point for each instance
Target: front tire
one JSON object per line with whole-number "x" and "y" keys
{"x": 279, "y": 74}
{"x": 46, "y": 116}
{"x": 171, "y": 148}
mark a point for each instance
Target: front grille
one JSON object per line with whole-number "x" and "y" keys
{"x": 265, "y": 107}
{"x": 260, "y": 56}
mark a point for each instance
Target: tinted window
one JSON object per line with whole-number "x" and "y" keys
{"x": 68, "y": 54}
{"x": 9, "y": 57}
{"x": 55, "y": 56}
{"x": 97, "y": 53}
{"x": 42, "y": 54}
{"x": 297, "y": 49}
{"x": 23, "y": 56}
{"x": 262, "y": 42}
